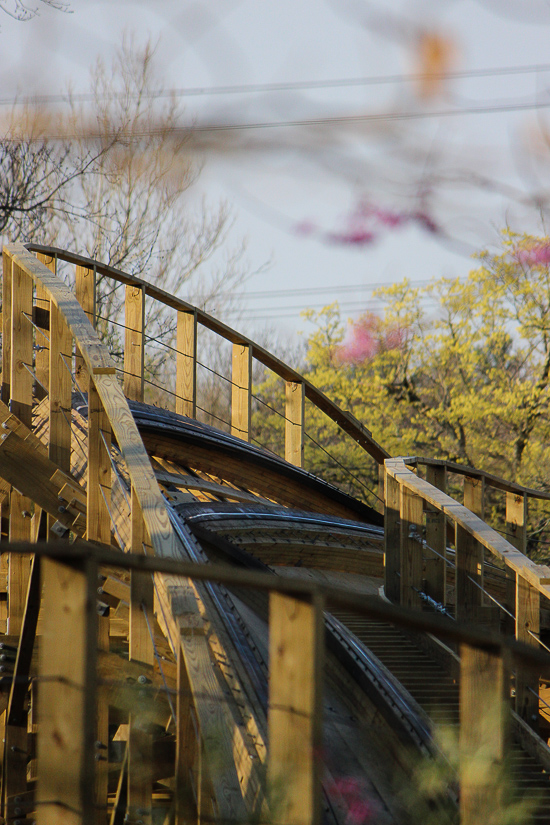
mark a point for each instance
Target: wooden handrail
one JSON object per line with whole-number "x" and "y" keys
{"x": 536, "y": 574}
{"x": 472, "y": 472}
{"x": 345, "y": 420}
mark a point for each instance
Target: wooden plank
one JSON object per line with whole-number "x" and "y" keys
{"x": 97, "y": 358}
{"x": 22, "y": 355}
{"x": 98, "y": 488}
{"x": 537, "y": 575}
{"x": 436, "y": 540}
{"x": 7, "y": 268}
{"x": 61, "y": 357}
{"x": 186, "y": 809}
{"x": 68, "y": 656}
{"x": 102, "y": 728}
{"x": 527, "y": 623}
{"x": 468, "y": 574}
{"x": 295, "y": 400}
{"x": 474, "y": 495}
{"x": 19, "y": 565}
{"x": 134, "y": 344}
{"x": 141, "y": 594}
{"x": 295, "y": 708}
{"x": 484, "y": 735}
{"x": 241, "y": 377}
{"x": 141, "y": 473}
{"x": 392, "y": 540}
{"x": 41, "y": 315}
{"x": 411, "y": 518}
{"x": 516, "y": 521}
{"x": 16, "y": 745}
{"x": 85, "y": 291}
{"x": 186, "y": 364}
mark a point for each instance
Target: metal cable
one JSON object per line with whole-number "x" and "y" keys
{"x": 492, "y": 598}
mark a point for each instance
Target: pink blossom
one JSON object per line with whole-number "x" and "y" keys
{"x": 305, "y": 227}
{"x": 353, "y": 237}
{"x": 367, "y": 339}
{"x": 354, "y": 793}
{"x": 537, "y": 255}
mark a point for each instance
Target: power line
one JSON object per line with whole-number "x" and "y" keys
{"x": 318, "y": 290}
{"x": 299, "y": 85}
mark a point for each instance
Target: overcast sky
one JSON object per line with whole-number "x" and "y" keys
{"x": 298, "y": 190}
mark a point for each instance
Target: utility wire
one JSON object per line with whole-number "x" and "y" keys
{"x": 290, "y": 86}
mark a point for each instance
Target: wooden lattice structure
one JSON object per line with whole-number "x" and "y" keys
{"x": 133, "y": 688}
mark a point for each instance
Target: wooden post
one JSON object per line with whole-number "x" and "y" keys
{"x": 61, "y": 349}
{"x": 140, "y": 742}
{"x": 42, "y": 321}
{"x": 16, "y": 744}
{"x": 436, "y": 539}
{"x": 19, "y": 564}
{"x": 484, "y": 729}
{"x": 295, "y": 708}
{"x": 516, "y": 534}
{"x": 7, "y": 265}
{"x": 186, "y": 364}
{"x": 68, "y": 665}
{"x": 134, "y": 350}
{"x": 392, "y": 539}
{"x": 98, "y": 490}
{"x": 474, "y": 495}
{"x": 85, "y": 290}
{"x": 241, "y": 391}
{"x": 295, "y": 402}
{"x": 22, "y": 355}
{"x": 527, "y": 623}
{"x": 412, "y": 551}
{"x": 186, "y": 809}
{"x": 468, "y": 574}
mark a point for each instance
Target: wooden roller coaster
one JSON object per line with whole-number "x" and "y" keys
{"x": 194, "y": 629}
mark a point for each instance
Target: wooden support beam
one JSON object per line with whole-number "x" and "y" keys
{"x": 42, "y": 321}
{"x": 468, "y": 575}
{"x": 102, "y": 728}
{"x": 516, "y": 534}
{"x": 484, "y": 734}
{"x": 16, "y": 745}
{"x": 134, "y": 349}
{"x": 22, "y": 341}
{"x": 68, "y": 659}
{"x": 295, "y": 406}
{"x": 19, "y": 565}
{"x": 85, "y": 290}
{"x": 186, "y": 364}
{"x": 187, "y": 740}
{"x": 61, "y": 357}
{"x": 412, "y": 551}
{"x": 98, "y": 490}
{"x": 436, "y": 539}
{"x": 140, "y": 741}
{"x": 7, "y": 269}
{"x": 295, "y": 708}
{"x": 474, "y": 495}
{"x": 392, "y": 539}
{"x": 527, "y": 630}
{"x": 241, "y": 391}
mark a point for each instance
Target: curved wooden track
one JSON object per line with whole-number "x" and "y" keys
{"x": 195, "y": 629}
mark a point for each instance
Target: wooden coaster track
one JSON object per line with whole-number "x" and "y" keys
{"x": 155, "y": 670}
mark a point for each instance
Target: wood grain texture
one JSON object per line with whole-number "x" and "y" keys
{"x": 474, "y": 495}
{"x": 392, "y": 540}
{"x": 436, "y": 541}
{"x": 85, "y": 292}
{"x": 527, "y": 630}
{"x": 469, "y": 573}
{"x": 186, "y": 364}
{"x": 295, "y": 400}
{"x": 61, "y": 358}
{"x": 22, "y": 340}
{"x": 295, "y": 708}
{"x": 98, "y": 488}
{"x": 412, "y": 518}
{"x": 241, "y": 389}
{"x": 134, "y": 349}
{"x": 484, "y": 734}
{"x": 68, "y": 654}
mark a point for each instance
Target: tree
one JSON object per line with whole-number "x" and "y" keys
{"x": 468, "y": 381}
{"x": 24, "y": 11}
{"x": 122, "y": 197}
